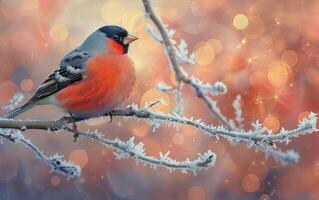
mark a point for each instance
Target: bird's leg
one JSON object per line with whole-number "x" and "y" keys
{"x": 111, "y": 117}
{"x": 74, "y": 128}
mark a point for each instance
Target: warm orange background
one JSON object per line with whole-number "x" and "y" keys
{"x": 265, "y": 50}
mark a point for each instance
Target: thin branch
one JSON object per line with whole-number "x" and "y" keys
{"x": 55, "y": 162}
{"x": 130, "y": 149}
{"x": 259, "y": 134}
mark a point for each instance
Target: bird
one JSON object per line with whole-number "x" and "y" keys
{"x": 91, "y": 80}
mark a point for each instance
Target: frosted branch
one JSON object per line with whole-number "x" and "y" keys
{"x": 127, "y": 149}
{"x": 13, "y": 102}
{"x": 238, "y": 112}
{"x": 56, "y": 162}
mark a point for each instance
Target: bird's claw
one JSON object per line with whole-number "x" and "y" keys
{"x": 74, "y": 129}
{"x": 111, "y": 117}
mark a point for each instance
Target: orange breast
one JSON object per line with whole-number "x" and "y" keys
{"x": 108, "y": 82}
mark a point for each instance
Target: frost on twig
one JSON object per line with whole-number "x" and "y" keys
{"x": 127, "y": 149}
{"x": 182, "y": 54}
{"x": 238, "y": 112}
{"x": 256, "y": 137}
{"x": 217, "y": 88}
{"x": 56, "y": 162}
{"x": 13, "y": 102}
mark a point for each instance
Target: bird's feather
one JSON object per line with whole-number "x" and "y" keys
{"x": 70, "y": 71}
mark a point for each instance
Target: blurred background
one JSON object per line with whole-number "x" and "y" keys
{"x": 265, "y": 50}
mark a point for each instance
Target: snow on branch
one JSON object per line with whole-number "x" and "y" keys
{"x": 257, "y": 137}
{"x": 13, "y": 102}
{"x": 238, "y": 112}
{"x": 127, "y": 149}
{"x": 56, "y": 162}
{"x": 261, "y": 138}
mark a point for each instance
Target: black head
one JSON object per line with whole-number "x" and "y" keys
{"x": 118, "y": 34}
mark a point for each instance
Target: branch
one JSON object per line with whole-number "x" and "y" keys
{"x": 55, "y": 162}
{"x": 201, "y": 90}
{"x": 130, "y": 149}
{"x": 258, "y": 134}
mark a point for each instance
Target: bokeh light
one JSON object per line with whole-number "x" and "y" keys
{"x": 240, "y": 21}
{"x": 271, "y": 123}
{"x": 251, "y": 183}
{"x": 152, "y": 95}
{"x": 266, "y": 51}
{"x": 204, "y": 52}
{"x": 59, "y": 32}
{"x": 79, "y": 157}
{"x": 278, "y": 74}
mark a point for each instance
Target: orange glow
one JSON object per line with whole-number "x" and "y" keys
{"x": 272, "y": 123}
{"x": 277, "y": 74}
{"x": 204, "y": 52}
{"x": 152, "y": 95}
{"x": 251, "y": 183}
{"x": 79, "y": 157}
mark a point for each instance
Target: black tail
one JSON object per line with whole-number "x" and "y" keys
{"x": 17, "y": 111}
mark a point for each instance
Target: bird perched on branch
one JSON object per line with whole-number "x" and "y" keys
{"x": 91, "y": 80}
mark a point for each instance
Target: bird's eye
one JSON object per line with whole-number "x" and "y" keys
{"x": 115, "y": 37}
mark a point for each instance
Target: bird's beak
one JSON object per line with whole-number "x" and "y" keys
{"x": 128, "y": 39}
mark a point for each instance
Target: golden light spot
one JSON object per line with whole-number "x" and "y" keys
{"x": 79, "y": 157}
{"x": 59, "y": 32}
{"x": 290, "y": 57}
{"x": 112, "y": 12}
{"x": 196, "y": 193}
{"x": 277, "y": 74}
{"x": 240, "y": 21}
{"x": 152, "y": 95}
{"x": 251, "y": 183}
{"x": 178, "y": 138}
{"x": 255, "y": 29}
{"x": 204, "y": 53}
{"x": 55, "y": 180}
{"x": 8, "y": 167}
{"x": 271, "y": 123}
{"x": 26, "y": 85}
{"x": 303, "y": 116}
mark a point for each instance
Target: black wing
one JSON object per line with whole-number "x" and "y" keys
{"x": 71, "y": 71}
